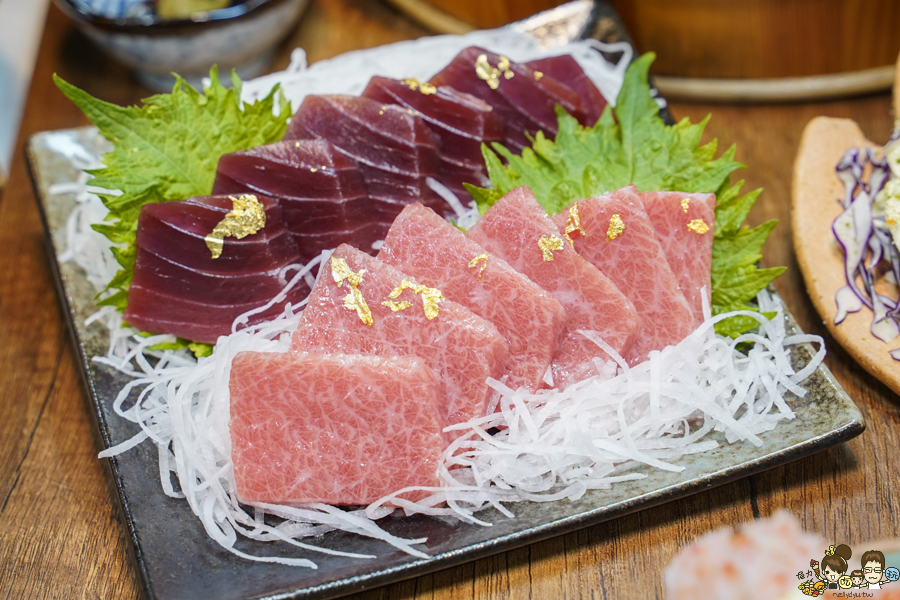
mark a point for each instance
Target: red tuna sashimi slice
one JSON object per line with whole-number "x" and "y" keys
{"x": 179, "y": 288}
{"x": 684, "y": 225}
{"x": 515, "y": 229}
{"x": 338, "y": 429}
{"x": 524, "y": 103}
{"x": 176, "y": 231}
{"x": 154, "y": 272}
{"x": 616, "y": 236}
{"x": 320, "y": 190}
{"x": 156, "y": 311}
{"x": 461, "y": 347}
{"x": 461, "y": 121}
{"x": 432, "y": 250}
{"x": 565, "y": 69}
{"x": 367, "y": 235}
{"x": 395, "y": 149}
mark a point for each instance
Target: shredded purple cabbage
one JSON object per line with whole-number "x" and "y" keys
{"x": 869, "y": 250}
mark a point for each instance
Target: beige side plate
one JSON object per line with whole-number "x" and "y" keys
{"x": 816, "y": 194}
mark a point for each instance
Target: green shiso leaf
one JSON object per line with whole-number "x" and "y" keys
{"x": 168, "y": 149}
{"x": 631, "y": 144}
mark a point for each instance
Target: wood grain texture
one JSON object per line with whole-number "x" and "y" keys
{"x": 61, "y": 536}
{"x": 763, "y": 38}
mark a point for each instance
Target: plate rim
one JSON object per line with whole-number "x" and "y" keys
{"x": 437, "y": 562}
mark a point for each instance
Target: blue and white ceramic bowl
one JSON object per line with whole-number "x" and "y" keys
{"x": 242, "y": 36}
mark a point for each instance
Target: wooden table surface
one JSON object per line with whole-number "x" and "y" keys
{"x": 61, "y": 535}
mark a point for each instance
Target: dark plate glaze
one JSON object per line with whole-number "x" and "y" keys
{"x": 175, "y": 559}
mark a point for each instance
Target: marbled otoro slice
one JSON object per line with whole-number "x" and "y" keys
{"x": 565, "y": 69}
{"x": 322, "y": 194}
{"x": 461, "y": 347}
{"x": 616, "y": 236}
{"x": 518, "y": 230}
{"x": 395, "y": 149}
{"x": 525, "y": 103}
{"x": 179, "y": 288}
{"x": 339, "y": 429}
{"x": 684, "y": 225}
{"x": 532, "y": 321}
{"x": 461, "y": 121}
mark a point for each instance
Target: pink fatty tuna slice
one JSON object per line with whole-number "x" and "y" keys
{"x": 461, "y": 121}
{"x": 515, "y": 229}
{"x": 461, "y": 347}
{"x": 395, "y": 149}
{"x": 524, "y": 102}
{"x": 435, "y": 252}
{"x": 179, "y": 288}
{"x": 339, "y": 429}
{"x": 684, "y": 224}
{"x": 322, "y": 194}
{"x": 565, "y": 69}
{"x": 616, "y": 236}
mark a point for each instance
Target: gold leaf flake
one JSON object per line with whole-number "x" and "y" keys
{"x": 685, "y": 202}
{"x": 538, "y": 75}
{"x": 573, "y": 224}
{"x": 341, "y": 271}
{"x": 698, "y": 226}
{"x": 503, "y": 67}
{"x": 246, "y": 218}
{"x": 431, "y": 300}
{"x": 616, "y": 227}
{"x": 485, "y": 71}
{"x": 481, "y": 258}
{"x": 548, "y": 245}
{"x": 431, "y": 297}
{"x": 396, "y": 306}
{"x": 355, "y": 301}
{"x": 414, "y": 84}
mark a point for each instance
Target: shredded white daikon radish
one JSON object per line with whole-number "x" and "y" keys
{"x": 558, "y": 444}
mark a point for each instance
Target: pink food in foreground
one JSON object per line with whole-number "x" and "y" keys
{"x": 514, "y": 229}
{"x": 760, "y": 559}
{"x": 461, "y": 347}
{"x": 178, "y": 288}
{"x": 338, "y": 429}
{"x": 679, "y": 220}
{"x": 634, "y": 260}
{"x": 426, "y": 246}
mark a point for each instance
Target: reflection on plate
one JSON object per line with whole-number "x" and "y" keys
{"x": 816, "y": 194}
{"x": 176, "y": 559}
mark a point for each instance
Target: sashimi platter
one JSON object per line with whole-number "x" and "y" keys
{"x": 370, "y": 318}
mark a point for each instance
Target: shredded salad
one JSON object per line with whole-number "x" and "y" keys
{"x": 866, "y": 231}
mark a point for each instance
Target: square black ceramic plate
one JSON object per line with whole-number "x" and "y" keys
{"x": 175, "y": 558}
